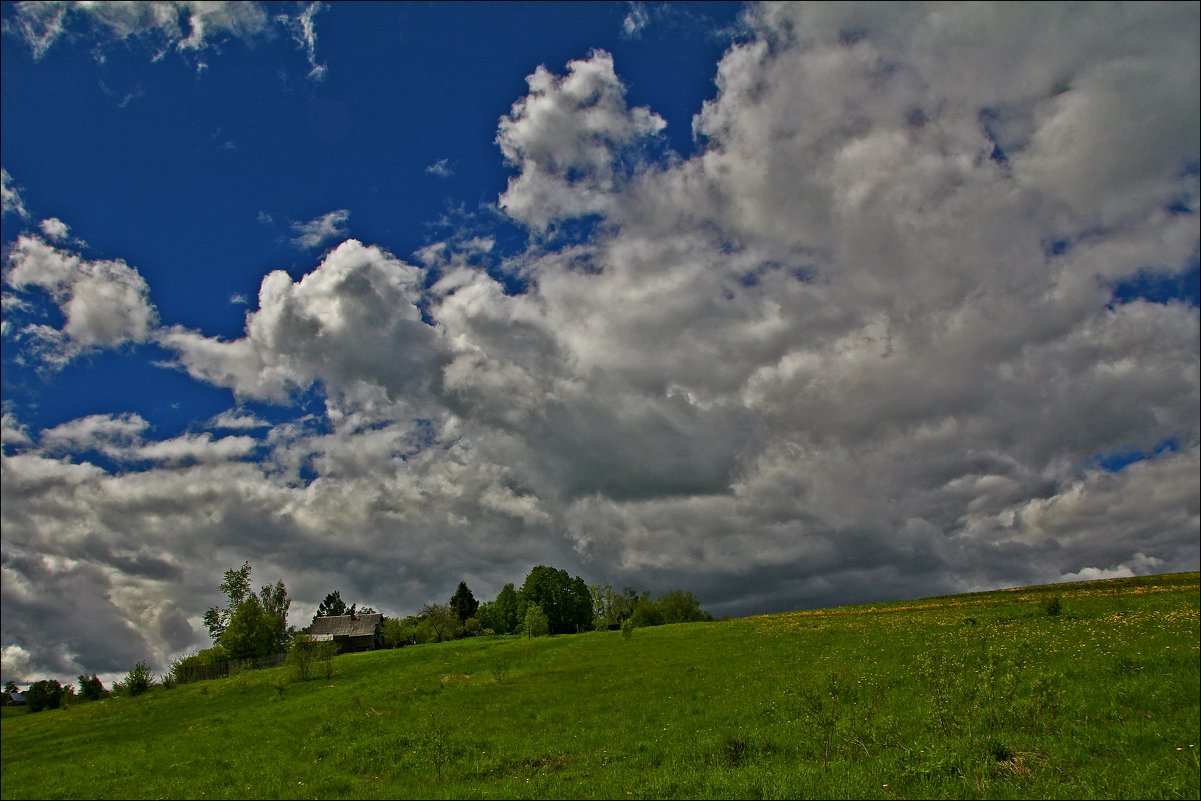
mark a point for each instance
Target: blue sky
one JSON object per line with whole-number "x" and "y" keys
{"x": 786, "y": 305}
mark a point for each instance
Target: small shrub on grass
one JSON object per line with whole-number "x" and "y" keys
{"x": 139, "y": 679}
{"x": 1052, "y": 606}
{"x": 324, "y": 654}
{"x": 301, "y": 655}
{"x": 823, "y": 705}
{"x": 435, "y": 745}
{"x": 240, "y": 675}
{"x": 627, "y": 628}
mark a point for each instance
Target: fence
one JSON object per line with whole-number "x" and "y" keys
{"x": 219, "y": 670}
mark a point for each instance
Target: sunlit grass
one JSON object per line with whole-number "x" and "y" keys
{"x": 976, "y": 696}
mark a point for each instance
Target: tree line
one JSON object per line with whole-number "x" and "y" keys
{"x": 250, "y": 626}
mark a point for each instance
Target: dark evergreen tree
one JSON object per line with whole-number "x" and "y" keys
{"x": 332, "y": 605}
{"x": 463, "y": 602}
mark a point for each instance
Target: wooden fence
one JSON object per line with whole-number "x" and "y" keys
{"x": 219, "y": 670}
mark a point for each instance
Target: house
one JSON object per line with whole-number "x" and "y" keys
{"x": 15, "y": 699}
{"x": 350, "y": 632}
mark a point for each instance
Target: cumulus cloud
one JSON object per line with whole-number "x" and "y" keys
{"x": 104, "y": 303}
{"x": 54, "y": 229}
{"x": 352, "y": 320}
{"x": 567, "y": 138}
{"x": 863, "y": 344}
{"x": 319, "y": 230}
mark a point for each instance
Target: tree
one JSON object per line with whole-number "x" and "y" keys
{"x": 91, "y": 689}
{"x": 236, "y": 586}
{"x": 612, "y": 608}
{"x": 251, "y": 625}
{"x": 394, "y": 633}
{"x": 332, "y": 605}
{"x": 566, "y": 601}
{"x": 441, "y": 619}
{"x": 463, "y": 603}
{"x": 678, "y": 606}
{"x": 44, "y": 694}
{"x": 10, "y": 686}
{"x": 646, "y": 611}
{"x": 504, "y": 610}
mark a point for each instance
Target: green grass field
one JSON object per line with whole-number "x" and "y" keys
{"x": 971, "y": 696}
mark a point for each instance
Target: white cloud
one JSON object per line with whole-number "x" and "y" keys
{"x": 304, "y": 33}
{"x": 234, "y": 419}
{"x": 184, "y": 26}
{"x": 112, "y": 435}
{"x": 565, "y": 138}
{"x": 351, "y": 320}
{"x": 55, "y": 229}
{"x": 635, "y": 20}
{"x": 10, "y": 196}
{"x": 105, "y": 303}
{"x": 440, "y": 168}
{"x": 319, "y": 230}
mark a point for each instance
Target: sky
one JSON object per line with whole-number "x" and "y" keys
{"x": 786, "y": 305}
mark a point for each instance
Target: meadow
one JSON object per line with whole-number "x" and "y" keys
{"x": 989, "y": 695}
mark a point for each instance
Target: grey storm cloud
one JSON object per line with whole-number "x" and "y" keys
{"x": 862, "y": 344}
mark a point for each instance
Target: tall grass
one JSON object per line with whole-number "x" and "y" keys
{"x": 975, "y": 696}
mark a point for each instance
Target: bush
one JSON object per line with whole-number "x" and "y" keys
{"x": 139, "y": 679}
{"x": 207, "y": 664}
{"x": 536, "y": 622}
{"x": 1053, "y": 605}
{"x": 44, "y": 694}
{"x": 301, "y": 655}
{"x": 91, "y": 689}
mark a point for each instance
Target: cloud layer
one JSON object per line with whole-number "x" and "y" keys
{"x": 863, "y": 344}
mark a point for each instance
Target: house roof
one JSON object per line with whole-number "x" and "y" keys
{"x": 344, "y": 626}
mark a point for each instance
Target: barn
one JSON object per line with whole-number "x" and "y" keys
{"x": 349, "y": 632}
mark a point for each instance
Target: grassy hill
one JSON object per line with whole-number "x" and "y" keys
{"x": 982, "y": 695}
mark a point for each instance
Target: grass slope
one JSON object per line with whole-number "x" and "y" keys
{"x": 970, "y": 696}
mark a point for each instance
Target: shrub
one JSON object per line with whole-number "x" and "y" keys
{"x": 139, "y": 678}
{"x": 207, "y": 664}
{"x": 1053, "y": 605}
{"x": 301, "y": 656}
{"x": 627, "y": 628}
{"x": 536, "y": 622}
{"x": 44, "y": 694}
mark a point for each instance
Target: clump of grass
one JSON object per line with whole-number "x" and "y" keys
{"x": 499, "y": 668}
{"x": 735, "y": 751}
{"x": 1052, "y": 606}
